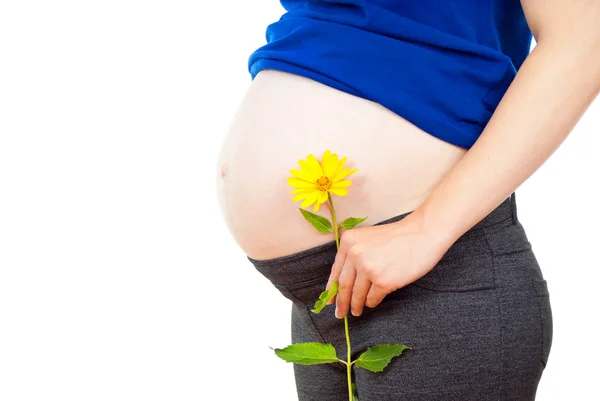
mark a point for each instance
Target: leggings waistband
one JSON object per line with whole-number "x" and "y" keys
{"x": 315, "y": 263}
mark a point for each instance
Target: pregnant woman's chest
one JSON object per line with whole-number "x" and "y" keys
{"x": 285, "y": 117}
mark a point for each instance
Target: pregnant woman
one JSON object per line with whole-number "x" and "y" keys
{"x": 445, "y": 112}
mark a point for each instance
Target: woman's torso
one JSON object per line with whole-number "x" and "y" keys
{"x": 284, "y": 117}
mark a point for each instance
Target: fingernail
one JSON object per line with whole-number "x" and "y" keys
{"x": 337, "y": 313}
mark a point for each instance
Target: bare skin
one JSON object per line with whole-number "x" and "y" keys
{"x": 282, "y": 119}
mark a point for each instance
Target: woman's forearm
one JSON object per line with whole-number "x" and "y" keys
{"x": 553, "y": 88}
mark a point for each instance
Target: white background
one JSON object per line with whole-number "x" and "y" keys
{"x": 118, "y": 277}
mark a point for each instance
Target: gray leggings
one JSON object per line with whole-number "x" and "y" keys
{"x": 479, "y": 323}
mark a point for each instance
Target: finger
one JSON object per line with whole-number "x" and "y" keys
{"x": 346, "y": 283}
{"x": 336, "y": 269}
{"x": 340, "y": 259}
{"x": 362, "y": 285}
{"x": 375, "y": 296}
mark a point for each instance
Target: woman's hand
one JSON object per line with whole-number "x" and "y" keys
{"x": 374, "y": 261}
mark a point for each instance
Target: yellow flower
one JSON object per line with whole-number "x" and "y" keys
{"x": 316, "y": 180}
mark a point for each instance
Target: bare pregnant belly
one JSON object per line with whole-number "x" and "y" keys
{"x": 284, "y": 117}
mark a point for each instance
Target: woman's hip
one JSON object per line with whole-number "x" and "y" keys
{"x": 494, "y": 254}
{"x": 481, "y": 318}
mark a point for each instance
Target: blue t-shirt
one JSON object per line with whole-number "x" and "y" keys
{"x": 443, "y": 65}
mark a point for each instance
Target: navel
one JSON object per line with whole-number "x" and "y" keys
{"x": 224, "y": 168}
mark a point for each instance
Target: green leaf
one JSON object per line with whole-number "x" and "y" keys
{"x": 378, "y": 357}
{"x": 325, "y": 297}
{"x": 319, "y": 222}
{"x": 354, "y": 395}
{"x": 308, "y": 353}
{"x": 351, "y": 222}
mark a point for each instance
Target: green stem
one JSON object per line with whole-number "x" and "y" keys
{"x": 349, "y": 363}
{"x": 335, "y": 226}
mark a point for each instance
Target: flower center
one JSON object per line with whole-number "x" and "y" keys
{"x": 323, "y": 184}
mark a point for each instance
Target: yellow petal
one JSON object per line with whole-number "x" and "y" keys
{"x": 339, "y": 166}
{"x": 339, "y": 191}
{"x": 303, "y": 175}
{"x": 314, "y": 166}
{"x": 311, "y": 198}
{"x": 325, "y": 159}
{"x": 301, "y": 190}
{"x": 301, "y": 196}
{"x": 322, "y": 197}
{"x": 330, "y": 165}
{"x": 309, "y": 170}
{"x": 340, "y": 184}
{"x": 298, "y": 183}
{"x": 343, "y": 174}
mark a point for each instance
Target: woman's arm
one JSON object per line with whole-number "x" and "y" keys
{"x": 553, "y": 88}
{"x": 551, "y": 91}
